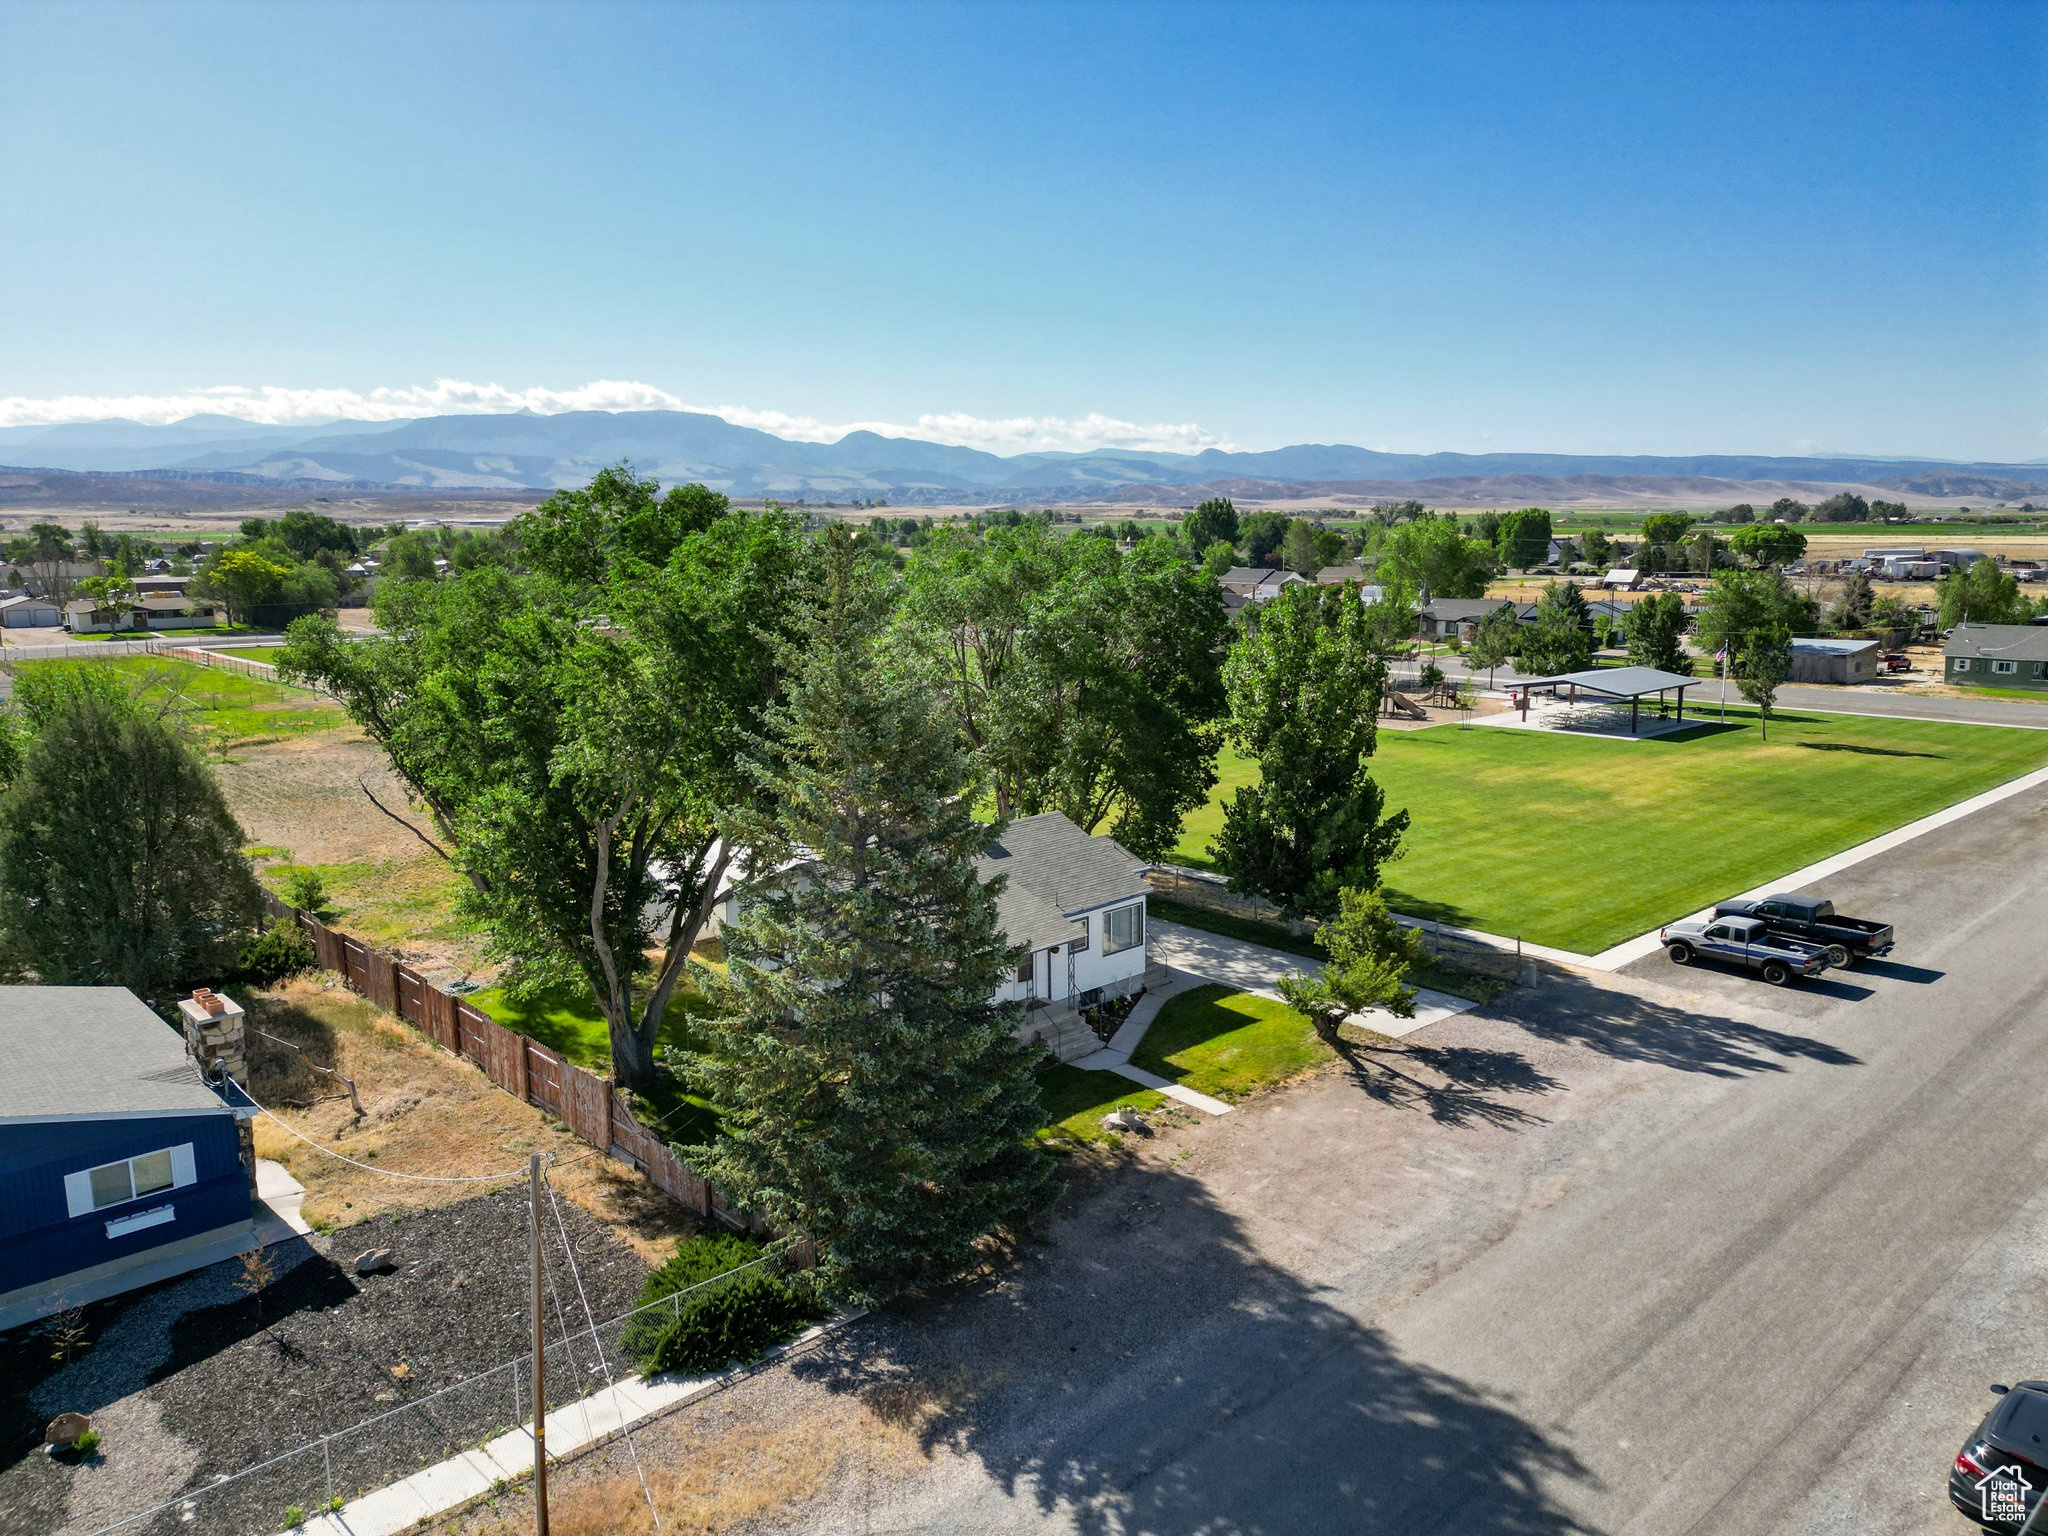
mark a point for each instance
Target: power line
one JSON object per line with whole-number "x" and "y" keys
{"x": 390, "y": 1173}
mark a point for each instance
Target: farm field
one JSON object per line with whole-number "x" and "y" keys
{"x": 1581, "y": 843}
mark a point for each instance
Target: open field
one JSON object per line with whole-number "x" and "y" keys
{"x": 1582, "y": 843}
{"x": 227, "y": 707}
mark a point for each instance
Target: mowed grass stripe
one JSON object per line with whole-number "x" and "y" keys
{"x": 1582, "y": 843}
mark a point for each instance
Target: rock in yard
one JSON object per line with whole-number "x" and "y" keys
{"x": 377, "y": 1261}
{"x": 66, "y": 1428}
{"x": 1123, "y": 1120}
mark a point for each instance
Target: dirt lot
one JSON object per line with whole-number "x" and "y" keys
{"x": 425, "y": 1112}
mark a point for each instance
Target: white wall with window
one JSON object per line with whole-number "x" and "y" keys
{"x": 128, "y": 1181}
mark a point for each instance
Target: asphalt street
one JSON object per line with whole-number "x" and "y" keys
{"x": 1663, "y": 1252}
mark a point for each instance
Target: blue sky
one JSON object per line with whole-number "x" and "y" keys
{"x": 1578, "y": 227}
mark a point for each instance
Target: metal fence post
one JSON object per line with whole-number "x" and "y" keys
{"x": 518, "y": 1415}
{"x": 327, "y": 1459}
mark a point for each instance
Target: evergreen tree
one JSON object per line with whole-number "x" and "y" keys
{"x": 1852, "y": 609}
{"x": 877, "y": 1099}
{"x": 1494, "y": 641}
{"x": 1561, "y": 639}
{"x": 120, "y": 862}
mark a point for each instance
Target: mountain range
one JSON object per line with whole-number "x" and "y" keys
{"x": 523, "y": 451}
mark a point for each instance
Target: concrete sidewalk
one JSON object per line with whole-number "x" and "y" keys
{"x": 1254, "y": 968}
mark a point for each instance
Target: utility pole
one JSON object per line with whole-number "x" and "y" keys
{"x": 540, "y": 1390}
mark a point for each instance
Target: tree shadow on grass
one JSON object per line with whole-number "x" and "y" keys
{"x": 1456, "y": 1084}
{"x": 1150, "y": 1371}
{"x": 1853, "y": 746}
{"x": 1573, "y": 1009}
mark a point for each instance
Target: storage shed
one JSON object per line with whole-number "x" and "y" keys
{"x": 119, "y": 1165}
{"x": 1835, "y": 661}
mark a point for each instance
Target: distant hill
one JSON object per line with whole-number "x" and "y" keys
{"x": 523, "y": 451}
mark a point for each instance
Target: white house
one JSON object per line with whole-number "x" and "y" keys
{"x": 1259, "y": 583}
{"x": 85, "y": 617}
{"x": 1076, "y": 905}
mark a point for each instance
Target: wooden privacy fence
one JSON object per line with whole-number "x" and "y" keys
{"x": 588, "y": 1104}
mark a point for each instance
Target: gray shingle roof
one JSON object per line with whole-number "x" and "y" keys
{"x": 1462, "y": 609}
{"x": 1615, "y": 682}
{"x": 2006, "y": 642}
{"x": 92, "y": 1051}
{"x": 1054, "y": 869}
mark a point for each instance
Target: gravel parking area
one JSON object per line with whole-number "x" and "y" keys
{"x": 190, "y": 1382}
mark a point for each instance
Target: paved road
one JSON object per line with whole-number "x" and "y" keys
{"x": 1872, "y": 700}
{"x": 1665, "y": 1252}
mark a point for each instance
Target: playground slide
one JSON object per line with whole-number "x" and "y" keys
{"x": 1398, "y": 703}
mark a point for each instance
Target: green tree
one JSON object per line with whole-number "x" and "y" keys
{"x": 1218, "y": 558}
{"x": 1561, "y": 639}
{"x": 1259, "y": 535}
{"x": 1749, "y": 618}
{"x": 1666, "y": 529}
{"x": 1525, "y": 537}
{"x": 1434, "y": 557}
{"x": 1760, "y": 663}
{"x": 1894, "y": 614}
{"x": 1767, "y": 544}
{"x": 1842, "y": 507}
{"x": 1494, "y": 641}
{"x": 1787, "y": 510}
{"x": 243, "y": 578}
{"x": 573, "y": 729}
{"x": 1741, "y": 512}
{"x": 1298, "y": 549}
{"x": 1211, "y": 521}
{"x": 1371, "y": 955}
{"x": 411, "y": 557}
{"x": 1656, "y": 629}
{"x": 120, "y": 863}
{"x": 1305, "y": 688}
{"x": 1085, "y": 679}
{"x": 302, "y": 532}
{"x": 1852, "y": 610}
{"x": 1981, "y": 594}
{"x": 876, "y": 1098}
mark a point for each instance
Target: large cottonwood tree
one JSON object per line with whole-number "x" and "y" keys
{"x": 573, "y": 727}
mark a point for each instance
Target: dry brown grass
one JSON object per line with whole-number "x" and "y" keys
{"x": 709, "y": 1477}
{"x": 424, "y": 1112}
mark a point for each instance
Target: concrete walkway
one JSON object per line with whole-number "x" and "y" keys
{"x": 1255, "y": 968}
{"x": 1197, "y": 958}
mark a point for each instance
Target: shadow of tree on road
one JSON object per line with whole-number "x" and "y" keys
{"x": 1457, "y": 1084}
{"x": 1149, "y": 1371}
{"x": 1565, "y": 1007}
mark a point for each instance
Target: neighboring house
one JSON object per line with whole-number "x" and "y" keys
{"x": 1625, "y": 580}
{"x": 160, "y": 586}
{"x": 1998, "y": 656}
{"x": 1443, "y": 617}
{"x": 29, "y": 613}
{"x": 1835, "y": 661}
{"x": 119, "y": 1166}
{"x": 1259, "y": 583}
{"x": 1337, "y": 575}
{"x": 85, "y": 617}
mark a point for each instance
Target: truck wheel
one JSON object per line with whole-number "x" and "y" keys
{"x": 1839, "y": 956}
{"x": 1777, "y": 973}
{"x": 1681, "y": 953}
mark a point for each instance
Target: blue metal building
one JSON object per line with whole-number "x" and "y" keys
{"x": 119, "y": 1166}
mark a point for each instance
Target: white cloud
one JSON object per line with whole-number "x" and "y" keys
{"x": 275, "y": 405}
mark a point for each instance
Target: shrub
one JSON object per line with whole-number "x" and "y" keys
{"x": 294, "y": 1517}
{"x": 87, "y": 1442}
{"x": 695, "y": 1260}
{"x": 737, "y": 1320}
{"x": 278, "y": 951}
{"x": 307, "y": 891}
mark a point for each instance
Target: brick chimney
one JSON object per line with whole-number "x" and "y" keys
{"x": 213, "y": 1032}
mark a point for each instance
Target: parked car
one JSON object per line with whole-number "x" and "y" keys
{"x": 1746, "y": 943}
{"x": 1999, "y": 1474}
{"x": 1846, "y": 939}
{"x": 1894, "y": 661}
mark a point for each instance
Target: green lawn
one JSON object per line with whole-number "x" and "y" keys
{"x": 264, "y": 653}
{"x": 1076, "y": 1100}
{"x": 237, "y": 708}
{"x": 386, "y": 903}
{"x": 566, "y": 1021}
{"x": 1228, "y": 1044}
{"x": 1581, "y": 842}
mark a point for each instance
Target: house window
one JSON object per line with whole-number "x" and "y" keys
{"x": 133, "y": 1178}
{"x": 1123, "y": 928}
{"x": 2004, "y": 667}
{"x": 1077, "y": 945}
{"x": 2041, "y": 669}
{"x": 1024, "y": 970}
{"x": 1961, "y": 663}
